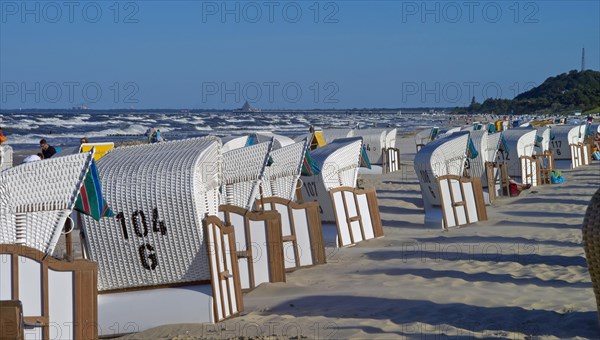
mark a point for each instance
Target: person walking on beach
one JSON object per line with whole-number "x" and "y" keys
{"x": 47, "y": 150}
{"x": 2, "y": 137}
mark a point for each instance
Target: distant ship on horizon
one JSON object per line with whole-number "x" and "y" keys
{"x": 246, "y": 109}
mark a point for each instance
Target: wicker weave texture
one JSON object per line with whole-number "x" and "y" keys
{"x": 338, "y": 161}
{"x": 243, "y": 170}
{"x": 37, "y": 198}
{"x": 441, "y": 157}
{"x": 493, "y": 142}
{"x": 477, "y": 165}
{"x": 159, "y": 193}
{"x": 520, "y": 143}
{"x": 281, "y": 177}
{"x": 591, "y": 243}
{"x": 6, "y": 157}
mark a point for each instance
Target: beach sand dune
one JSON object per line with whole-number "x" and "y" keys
{"x": 519, "y": 275}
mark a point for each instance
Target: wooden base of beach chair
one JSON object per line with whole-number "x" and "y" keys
{"x": 546, "y": 166}
{"x": 530, "y": 170}
{"x": 259, "y": 245}
{"x": 462, "y": 200}
{"x": 302, "y": 233}
{"x": 357, "y": 215}
{"x": 576, "y": 156}
{"x": 494, "y": 183}
{"x": 137, "y": 309}
{"x": 58, "y": 297}
{"x": 391, "y": 160}
{"x": 11, "y": 320}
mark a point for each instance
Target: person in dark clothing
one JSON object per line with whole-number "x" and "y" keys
{"x": 47, "y": 150}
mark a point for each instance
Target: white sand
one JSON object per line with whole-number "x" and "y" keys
{"x": 521, "y": 273}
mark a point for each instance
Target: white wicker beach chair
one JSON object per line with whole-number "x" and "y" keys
{"x": 374, "y": 140}
{"x": 243, "y": 170}
{"x": 6, "y": 157}
{"x": 565, "y": 143}
{"x": 338, "y": 162}
{"x": 160, "y": 193}
{"x": 425, "y": 136}
{"x": 37, "y": 198}
{"x": 281, "y": 177}
{"x": 449, "y": 200}
{"x": 521, "y": 142}
{"x": 493, "y": 144}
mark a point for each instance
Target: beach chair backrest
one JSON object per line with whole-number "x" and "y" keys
{"x": 279, "y": 141}
{"x": 37, "y": 198}
{"x": 243, "y": 170}
{"x": 159, "y": 194}
{"x": 281, "y": 177}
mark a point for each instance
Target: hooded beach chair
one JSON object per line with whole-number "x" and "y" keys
{"x": 566, "y": 143}
{"x": 36, "y": 200}
{"x": 258, "y": 233}
{"x": 449, "y": 198}
{"x": 156, "y": 250}
{"x": 353, "y": 210}
{"x": 391, "y": 154}
{"x": 519, "y": 157}
{"x": 300, "y": 222}
{"x": 374, "y": 141}
{"x": 425, "y": 136}
{"x": 6, "y": 157}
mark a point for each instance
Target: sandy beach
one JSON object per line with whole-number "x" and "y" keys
{"x": 520, "y": 275}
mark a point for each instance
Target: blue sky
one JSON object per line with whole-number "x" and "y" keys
{"x": 327, "y": 54}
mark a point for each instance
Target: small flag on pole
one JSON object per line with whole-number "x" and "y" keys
{"x": 364, "y": 158}
{"x": 309, "y": 166}
{"x": 471, "y": 151}
{"x": 90, "y": 200}
{"x": 503, "y": 145}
